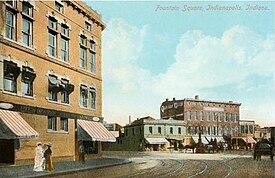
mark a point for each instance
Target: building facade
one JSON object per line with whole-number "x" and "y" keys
{"x": 50, "y": 63}
{"x": 213, "y": 118}
{"x": 149, "y": 133}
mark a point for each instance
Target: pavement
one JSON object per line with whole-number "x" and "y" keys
{"x": 61, "y": 168}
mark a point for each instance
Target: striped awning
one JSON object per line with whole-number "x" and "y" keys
{"x": 96, "y": 131}
{"x": 249, "y": 140}
{"x": 13, "y": 126}
{"x": 156, "y": 141}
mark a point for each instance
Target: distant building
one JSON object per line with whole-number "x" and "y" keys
{"x": 214, "y": 118}
{"x": 150, "y": 134}
{"x": 262, "y": 133}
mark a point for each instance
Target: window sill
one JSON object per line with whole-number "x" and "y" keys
{"x": 19, "y": 95}
{"x": 57, "y": 131}
{"x": 20, "y": 44}
{"x": 90, "y": 109}
{"x": 57, "y": 102}
{"x": 10, "y": 93}
{"x": 29, "y": 97}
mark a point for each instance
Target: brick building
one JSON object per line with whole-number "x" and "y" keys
{"x": 213, "y": 117}
{"x": 50, "y": 73}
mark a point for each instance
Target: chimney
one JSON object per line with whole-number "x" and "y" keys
{"x": 130, "y": 119}
{"x": 230, "y": 101}
{"x": 196, "y": 97}
{"x": 166, "y": 99}
{"x": 174, "y": 99}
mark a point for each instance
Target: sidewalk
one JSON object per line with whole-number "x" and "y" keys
{"x": 60, "y": 168}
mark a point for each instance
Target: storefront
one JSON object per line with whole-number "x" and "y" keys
{"x": 156, "y": 144}
{"x": 12, "y": 128}
{"x": 91, "y": 134}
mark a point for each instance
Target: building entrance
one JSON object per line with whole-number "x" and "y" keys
{"x": 7, "y": 153}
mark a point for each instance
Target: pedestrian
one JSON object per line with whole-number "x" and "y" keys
{"x": 81, "y": 153}
{"x": 48, "y": 158}
{"x": 38, "y": 159}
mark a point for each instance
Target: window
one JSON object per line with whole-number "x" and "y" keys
{"x": 28, "y": 76}
{"x": 53, "y": 88}
{"x": 52, "y": 44}
{"x": 64, "y": 49}
{"x": 189, "y": 129}
{"x": 171, "y": 130}
{"x": 201, "y": 115}
{"x": 195, "y": 115}
{"x": 93, "y": 45}
{"x": 11, "y": 3}
{"x": 27, "y": 9}
{"x": 88, "y": 26}
{"x": 208, "y": 116}
{"x": 26, "y": 32}
{"x": 83, "y": 41}
{"x": 10, "y": 24}
{"x": 196, "y": 130}
{"x": 64, "y": 96}
{"x": 59, "y": 7}
{"x": 219, "y": 117}
{"x": 92, "y": 62}
{"x": 214, "y": 116}
{"x": 230, "y": 116}
{"x": 150, "y": 130}
{"x": 237, "y": 117}
{"x": 159, "y": 130}
{"x": 225, "y": 116}
{"x": 208, "y": 130}
{"x": 64, "y": 124}
{"x": 83, "y": 53}
{"x": 83, "y": 95}
{"x": 65, "y": 30}
{"x": 52, "y": 23}
{"x": 214, "y": 130}
{"x": 52, "y": 26}
{"x": 179, "y": 130}
{"x": 52, "y": 123}
{"x": 11, "y": 73}
{"x": 189, "y": 115}
{"x": 93, "y": 98}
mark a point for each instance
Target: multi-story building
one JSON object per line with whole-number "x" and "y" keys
{"x": 50, "y": 73}
{"x": 213, "y": 118}
{"x": 149, "y": 133}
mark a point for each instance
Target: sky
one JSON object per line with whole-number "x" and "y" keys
{"x": 153, "y": 50}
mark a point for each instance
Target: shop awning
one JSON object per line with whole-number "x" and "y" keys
{"x": 96, "y": 131}
{"x": 156, "y": 141}
{"x": 249, "y": 140}
{"x": 13, "y": 126}
{"x": 205, "y": 139}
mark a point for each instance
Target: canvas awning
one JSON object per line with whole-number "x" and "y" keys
{"x": 249, "y": 140}
{"x": 95, "y": 130}
{"x": 205, "y": 141}
{"x": 13, "y": 126}
{"x": 156, "y": 141}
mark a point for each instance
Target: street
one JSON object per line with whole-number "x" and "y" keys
{"x": 177, "y": 164}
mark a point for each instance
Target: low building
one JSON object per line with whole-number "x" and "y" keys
{"x": 150, "y": 134}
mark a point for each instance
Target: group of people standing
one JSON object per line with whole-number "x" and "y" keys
{"x": 43, "y": 158}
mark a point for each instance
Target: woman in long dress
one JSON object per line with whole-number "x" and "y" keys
{"x": 38, "y": 158}
{"x": 48, "y": 157}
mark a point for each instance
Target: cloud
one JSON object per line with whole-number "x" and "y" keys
{"x": 201, "y": 62}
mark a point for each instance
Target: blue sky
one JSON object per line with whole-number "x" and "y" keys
{"x": 151, "y": 54}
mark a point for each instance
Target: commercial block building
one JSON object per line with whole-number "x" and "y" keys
{"x": 50, "y": 73}
{"x": 214, "y": 118}
{"x": 149, "y": 133}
